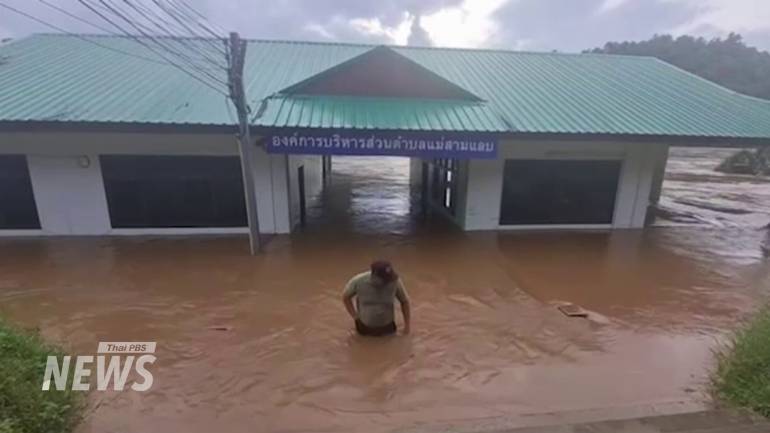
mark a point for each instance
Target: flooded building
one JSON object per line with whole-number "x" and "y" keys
{"x": 99, "y": 136}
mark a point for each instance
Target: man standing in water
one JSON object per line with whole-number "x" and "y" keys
{"x": 375, "y": 292}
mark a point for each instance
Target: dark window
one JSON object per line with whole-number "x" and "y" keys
{"x": 174, "y": 191}
{"x": 559, "y": 191}
{"x": 17, "y": 202}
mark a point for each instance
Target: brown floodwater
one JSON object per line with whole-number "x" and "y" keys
{"x": 487, "y": 341}
{"x": 694, "y": 193}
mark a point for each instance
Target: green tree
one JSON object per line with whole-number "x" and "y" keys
{"x": 729, "y": 61}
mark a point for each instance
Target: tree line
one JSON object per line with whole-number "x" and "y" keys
{"x": 729, "y": 61}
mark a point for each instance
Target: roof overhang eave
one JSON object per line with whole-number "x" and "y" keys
{"x": 190, "y": 128}
{"x": 672, "y": 140}
{"x": 116, "y": 127}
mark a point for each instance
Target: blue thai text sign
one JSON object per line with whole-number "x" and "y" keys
{"x": 465, "y": 146}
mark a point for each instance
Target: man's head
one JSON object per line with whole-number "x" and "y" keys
{"x": 383, "y": 270}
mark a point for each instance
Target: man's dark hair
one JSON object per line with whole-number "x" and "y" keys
{"x": 383, "y": 270}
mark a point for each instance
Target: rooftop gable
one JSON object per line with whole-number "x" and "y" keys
{"x": 380, "y": 72}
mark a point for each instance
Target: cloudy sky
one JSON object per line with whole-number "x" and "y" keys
{"x": 539, "y": 25}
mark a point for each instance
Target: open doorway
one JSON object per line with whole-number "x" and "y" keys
{"x": 373, "y": 195}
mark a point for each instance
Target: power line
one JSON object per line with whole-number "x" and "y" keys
{"x": 93, "y": 9}
{"x": 187, "y": 12}
{"x": 230, "y": 110}
{"x": 61, "y": 30}
{"x": 147, "y": 33}
{"x": 151, "y": 17}
{"x": 185, "y": 5}
{"x": 142, "y": 43}
{"x": 146, "y": 15}
{"x": 71, "y": 15}
{"x": 166, "y": 61}
{"x": 197, "y": 17}
{"x": 157, "y": 12}
{"x": 172, "y": 46}
{"x": 171, "y": 12}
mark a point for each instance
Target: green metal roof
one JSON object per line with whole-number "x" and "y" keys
{"x": 389, "y": 114}
{"x": 57, "y": 78}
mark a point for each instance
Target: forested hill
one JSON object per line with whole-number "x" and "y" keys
{"x": 729, "y": 62}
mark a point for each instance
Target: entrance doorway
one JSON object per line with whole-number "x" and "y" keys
{"x": 369, "y": 195}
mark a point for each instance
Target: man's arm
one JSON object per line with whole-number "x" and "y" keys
{"x": 403, "y": 298}
{"x": 347, "y": 299}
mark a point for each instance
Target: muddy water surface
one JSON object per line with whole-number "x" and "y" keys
{"x": 694, "y": 193}
{"x": 487, "y": 340}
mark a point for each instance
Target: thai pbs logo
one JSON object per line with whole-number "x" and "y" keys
{"x": 111, "y": 368}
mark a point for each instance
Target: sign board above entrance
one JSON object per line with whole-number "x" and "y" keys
{"x": 367, "y": 143}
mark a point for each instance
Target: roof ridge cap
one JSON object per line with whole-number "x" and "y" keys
{"x": 377, "y": 98}
{"x": 348, "y": 44}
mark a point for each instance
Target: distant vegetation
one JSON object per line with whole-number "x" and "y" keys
{"x": 729, "y": 61}
{"x": 24, "y": 407}
{"x": 742, "y": 378}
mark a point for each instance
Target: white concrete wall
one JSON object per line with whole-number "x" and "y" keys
{"x": 485, "y": 179}
{"x": 71, "y": 199}
{"x": 313, "y": 183}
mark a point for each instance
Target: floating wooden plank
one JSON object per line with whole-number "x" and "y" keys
{"x": 572, "y": 310}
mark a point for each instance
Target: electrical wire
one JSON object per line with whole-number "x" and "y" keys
{"x": 171, "y": 12}
{"x": 142, "y": 43}
{"x": 123, "y": 33}
{"x": 230, "y": 110}
{"x": 165, "y": 45}
{"x": 154, "y": 12}
{"x": 218, "y": 45}
{"x": 152, "y": 17}
{"x": 73, "y": 16}
{"x": 61, "y": 30}
{"x": 198, "y": 18}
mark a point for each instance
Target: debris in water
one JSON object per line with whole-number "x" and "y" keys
{"x": 746, "y": 161}
{"x": 572, "y": 310}
{"x": 711, "y": 206}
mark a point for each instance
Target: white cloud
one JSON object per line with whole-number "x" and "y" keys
{"x": 398, "y": 34}
{"x": 471, "y": 24}
{"x": 319, "y": 30}
{"x": 523, "y": 44}
{"x": 726, "y": 16}
{"x": 610, "y": 5}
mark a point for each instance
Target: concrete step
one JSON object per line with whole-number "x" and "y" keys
{"x": 764, "y": 428}
{"x": 717, "y": 421}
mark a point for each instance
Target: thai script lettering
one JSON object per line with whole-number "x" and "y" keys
{"x": 375, "y": 144}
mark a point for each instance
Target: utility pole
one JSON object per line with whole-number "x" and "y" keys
{"x": 236, "y": 54}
